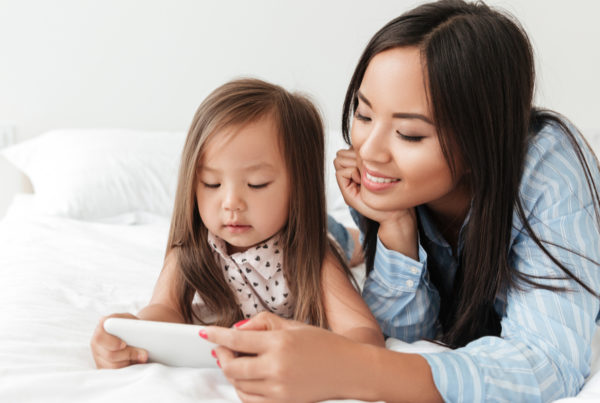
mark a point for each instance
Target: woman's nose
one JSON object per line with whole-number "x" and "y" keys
{"x": 375, "y": 146}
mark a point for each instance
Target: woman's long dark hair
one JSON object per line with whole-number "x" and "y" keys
{"x": 480, "y": 71}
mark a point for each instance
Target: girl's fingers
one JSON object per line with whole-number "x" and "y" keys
{"x": 131, "y": 355}
{"x": 102, "y": 363}
{"x": 108, "y": 341}
{"x": 110, "y": 351}
{"x": 254, "y": 398}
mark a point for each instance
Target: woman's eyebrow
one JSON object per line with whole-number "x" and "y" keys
{"x": 399, "y": 115}
{"x": 361, "y": 96}
{"x": 402, "y": 115}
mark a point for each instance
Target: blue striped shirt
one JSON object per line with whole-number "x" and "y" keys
{"x": 544, "y": 350}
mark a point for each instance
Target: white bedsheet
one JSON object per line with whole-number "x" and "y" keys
{"x": 59, "y": 276}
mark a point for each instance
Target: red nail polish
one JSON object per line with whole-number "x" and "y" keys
{"x": 214, "y": 354}
{"x": 218, "y": 363}
{"x": 202, "y": 333}
{"x": 241, "y": 322}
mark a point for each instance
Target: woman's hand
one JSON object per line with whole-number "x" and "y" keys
{"x": 284, "y": 360}
{"x": 397, "y": 229}
{"x": 348, "y": 178}
{"x": 110, "y": 351}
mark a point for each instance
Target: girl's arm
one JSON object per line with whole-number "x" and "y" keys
{"x": 163, "y": 305}
{"x": 346, "y": 311}
{"x": 292, "y": 360}
{"x": 111, "y": 352}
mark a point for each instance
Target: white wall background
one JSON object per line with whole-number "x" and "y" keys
{"x": 148, "y": 64}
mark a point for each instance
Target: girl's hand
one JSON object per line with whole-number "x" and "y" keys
{"x": 286, "y": 360}
{"x": 397, "y": 229}
{"x": 110, "y": 351}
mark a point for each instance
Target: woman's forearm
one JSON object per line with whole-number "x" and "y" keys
{"x": 379, "y": 374}
{"x": 365, "y": 334}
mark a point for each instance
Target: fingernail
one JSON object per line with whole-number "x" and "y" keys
{"x": 142, "y": 357}
{"x": 214, "y": 354}
{"x": 202, "y": 333}
{"x": 218, "y": 363}
{"x": 241, "y": 322}
{"x": 123, "y": 345}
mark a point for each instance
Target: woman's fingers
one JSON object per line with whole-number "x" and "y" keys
{"x": 236, "y": 368}
{"x": 242, "y": 342}
{"x": 266, "y": 321}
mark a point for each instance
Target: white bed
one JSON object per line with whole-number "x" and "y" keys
{"x": 60, "y": 274}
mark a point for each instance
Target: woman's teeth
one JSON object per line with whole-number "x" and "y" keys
{"x": 377, "y": 179}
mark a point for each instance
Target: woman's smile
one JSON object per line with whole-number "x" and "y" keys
{"x": 376, "y": 182}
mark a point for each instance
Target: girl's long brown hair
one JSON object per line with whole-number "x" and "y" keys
{"x": 304, "y": 235}
{"x": 479, "y": 64}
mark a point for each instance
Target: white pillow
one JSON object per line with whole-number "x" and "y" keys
{"x": 95, "y": 173}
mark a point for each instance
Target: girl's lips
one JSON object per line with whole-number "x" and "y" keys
{"x": 237, "y": 228}
{"x": 375, "y": 182}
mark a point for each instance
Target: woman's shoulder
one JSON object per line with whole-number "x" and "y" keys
{"x": 554, "y": 154}
{"x": 553, "y": 135}
{"x": 554, "y": 170}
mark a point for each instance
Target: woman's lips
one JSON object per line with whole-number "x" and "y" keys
{"x": 377, "y": 182}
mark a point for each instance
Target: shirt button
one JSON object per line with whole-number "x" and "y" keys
{"x": 414, "y": 270}
{"x": 410, "y": 283}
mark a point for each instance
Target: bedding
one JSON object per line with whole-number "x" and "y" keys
{"x": 99, "y": 173}
{"x": 63, "y": 265}
{"x": 58, "y": 276}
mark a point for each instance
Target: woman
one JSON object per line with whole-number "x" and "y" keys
{"x": 479, "y": 216}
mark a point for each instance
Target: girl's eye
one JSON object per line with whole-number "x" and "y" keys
{"x": 409, "y": 138}
{"x": 362, "y": 117}
{"x": 211, "y": 185}
{"x": 259, "y": 186}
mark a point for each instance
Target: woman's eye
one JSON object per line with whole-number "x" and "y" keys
{"x": 409, "y": 138}
{"x": 211, "y": 185}
{"x": 364, "y": 118}
{"x": 259, "y": 186}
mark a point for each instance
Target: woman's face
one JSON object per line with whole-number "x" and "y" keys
{"x": 398, "y": 152}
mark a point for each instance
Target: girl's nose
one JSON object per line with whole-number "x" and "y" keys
{"x": 375, "y": 146}
{"x": 233, "y": 201}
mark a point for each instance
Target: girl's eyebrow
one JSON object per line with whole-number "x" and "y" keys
{"x": 399, "y": 115}
{"x": 252, "y": 167}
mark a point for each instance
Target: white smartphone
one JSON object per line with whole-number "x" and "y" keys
{"x": 174, "y": 344}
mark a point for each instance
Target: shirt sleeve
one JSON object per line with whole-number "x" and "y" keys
{"x": 400, "y": 295}
{"x": 544, "y": 350}
{"x": 341, "y": 236}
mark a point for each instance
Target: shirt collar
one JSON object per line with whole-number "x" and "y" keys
{"x": 431, "y": 231}
{"x": 266, "y": 258}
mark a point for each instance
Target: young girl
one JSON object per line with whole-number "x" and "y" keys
{"x": 480, "y": 219}
{"x": 249, "y": 230}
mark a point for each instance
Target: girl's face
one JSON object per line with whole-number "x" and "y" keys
{"x": 243, "y": 187}
{"x": 398, "y": 153}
